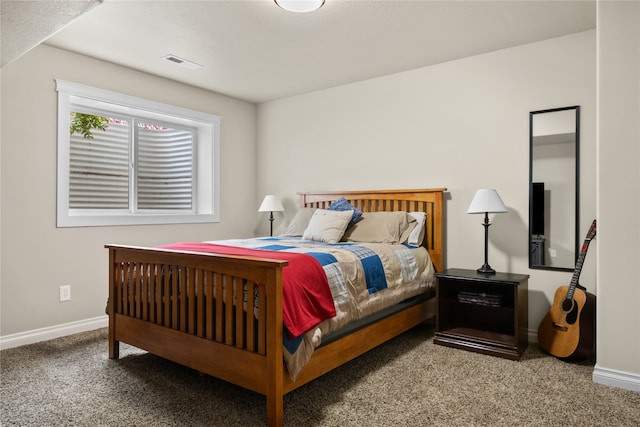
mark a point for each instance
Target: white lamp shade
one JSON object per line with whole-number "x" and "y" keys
{"x": 271, "y": 204}
{"x": 486, "y": 201}
{"x": 300, "y": 6}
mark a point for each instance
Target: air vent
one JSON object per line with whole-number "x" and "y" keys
{"x": 183, "y": 62}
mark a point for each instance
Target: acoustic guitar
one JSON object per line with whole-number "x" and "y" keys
{"x": 568, "y": 330}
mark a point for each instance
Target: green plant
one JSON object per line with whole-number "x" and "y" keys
{"x": 83, "y": 123}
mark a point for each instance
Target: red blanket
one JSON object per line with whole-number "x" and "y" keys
{"x": 307, "y": 298}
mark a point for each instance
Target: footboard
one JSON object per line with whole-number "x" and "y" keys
{"x": 221, "y": 315}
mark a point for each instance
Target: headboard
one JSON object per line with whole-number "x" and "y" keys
{"x": 428, "y": 200}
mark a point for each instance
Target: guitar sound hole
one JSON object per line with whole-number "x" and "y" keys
{"x": 571, "y": 308}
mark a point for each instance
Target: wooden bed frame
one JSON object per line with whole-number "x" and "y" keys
{"x": 164, "y": 302}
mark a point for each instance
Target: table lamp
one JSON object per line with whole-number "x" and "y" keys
{"x": 271, "y": 204}
{"x": 486, "y": 201}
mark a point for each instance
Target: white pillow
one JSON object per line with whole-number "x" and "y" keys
{"x": 417, "y": 235}
{"x": 327, "y": 226}
{"x": 299, "y": 222}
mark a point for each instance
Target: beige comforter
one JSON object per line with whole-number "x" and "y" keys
{"x": 364, "y": 278}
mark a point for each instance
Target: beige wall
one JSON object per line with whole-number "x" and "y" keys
{"x": 618, "y": 242}
{"x": 461, "y": 125}
{"x": 37, "y": 257}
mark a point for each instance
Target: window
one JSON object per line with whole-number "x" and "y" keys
{"x": 125, "y": 160}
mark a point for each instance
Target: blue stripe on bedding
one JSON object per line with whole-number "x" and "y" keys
{"x": 374, "y": 274}
{"x": 291, "y": 344}
{"x": 373, "y": 268}
{"x": 323, "y": 258}
{"x": 276, "y": 247}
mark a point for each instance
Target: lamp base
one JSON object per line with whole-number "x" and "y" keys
{"x": 486, "y": 269}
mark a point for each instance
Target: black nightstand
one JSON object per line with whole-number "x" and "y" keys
{"x": 485, "y": 313}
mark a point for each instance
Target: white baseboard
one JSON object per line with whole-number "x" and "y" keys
{"x": 51, "y": 332}
{"x": 619, "y": 379}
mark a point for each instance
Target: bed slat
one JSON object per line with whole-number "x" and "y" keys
{"x": 209, "y": 313}
{"x": 228, "y": 311}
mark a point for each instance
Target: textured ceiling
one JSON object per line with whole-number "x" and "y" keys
{"x": 26, "y": 24}
{"x": 255, "y": 51}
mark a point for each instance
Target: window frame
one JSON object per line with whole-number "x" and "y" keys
{"x": 206, "y": 184}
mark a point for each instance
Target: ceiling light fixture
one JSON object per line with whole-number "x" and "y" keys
{"x": 300, "y": 6}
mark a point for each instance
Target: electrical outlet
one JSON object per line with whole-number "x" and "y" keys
{"x": 65, "y": 293}
{"x": 552, "y": 252}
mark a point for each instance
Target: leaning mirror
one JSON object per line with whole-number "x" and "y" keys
{"x": 554, "y": 137}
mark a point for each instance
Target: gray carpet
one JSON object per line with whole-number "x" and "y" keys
{"x": 408, "y": 381}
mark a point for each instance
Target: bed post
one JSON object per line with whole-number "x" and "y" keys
{"x": 114, "y": 346}
{"x": 275, "y": 361}
{"x": 437, "y": 252}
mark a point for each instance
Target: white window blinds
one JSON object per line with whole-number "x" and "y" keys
{"x": 160, "y": 158}
{"x": 99, "y": 169}
{"x": 165, "y": 168}
{"x": 125, "y": 160}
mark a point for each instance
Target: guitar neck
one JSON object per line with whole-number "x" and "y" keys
{"x": 583, "y": 253}
{"x": 578, "y": 270}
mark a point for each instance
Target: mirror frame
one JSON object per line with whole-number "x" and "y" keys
{"x": 532, "y": 114}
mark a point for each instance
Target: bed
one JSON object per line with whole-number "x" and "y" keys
{"x": 180, "y": 303}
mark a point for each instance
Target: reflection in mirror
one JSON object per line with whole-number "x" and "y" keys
{"x": 553, "y": 188}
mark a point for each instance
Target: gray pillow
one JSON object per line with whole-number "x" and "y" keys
{"x": 327, "y": 226}
{"x": 381, "y": 227}
{"x": 299, "y": 223}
